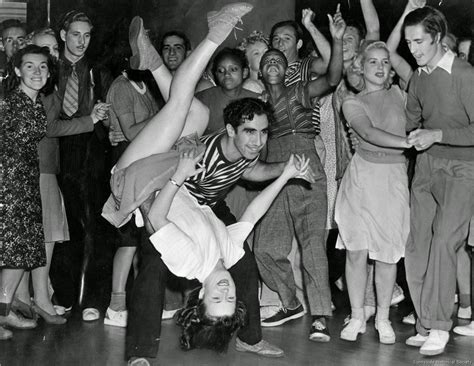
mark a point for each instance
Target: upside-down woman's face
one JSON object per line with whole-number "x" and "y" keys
{"x": 218, "y": 294}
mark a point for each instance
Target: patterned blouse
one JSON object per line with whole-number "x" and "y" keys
{"x": 23, "y": 126}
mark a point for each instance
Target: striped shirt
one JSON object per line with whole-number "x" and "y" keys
{"x": 212, "y": 185}
{"x": 299, "y": 71}
{"x": 293, "y": 113}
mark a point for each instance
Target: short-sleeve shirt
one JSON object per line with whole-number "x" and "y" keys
{"x": 195, "y": 240}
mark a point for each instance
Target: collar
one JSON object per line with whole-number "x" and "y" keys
{"x": 445, "y": 63}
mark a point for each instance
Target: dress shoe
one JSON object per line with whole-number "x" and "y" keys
{"x": 17, "y": 321}
{"x": 47, "y": 317}
{"x": 262, "y": 348}
{"x": 436, "y": 343}
{"x": 21, "y": 307}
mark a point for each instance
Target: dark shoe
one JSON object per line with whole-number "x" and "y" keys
{"x": 5, "y": 334}
{"x": 262, "y": 348}
{"x": 282, "y": 316}
{"x": 21, "y": 307}
{"x": 319, "y": 332}
{"x": 47, "y": 317}
{"x": 17, "y": 321}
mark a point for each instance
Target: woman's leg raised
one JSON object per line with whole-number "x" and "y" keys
{"x": 166, "y": 127}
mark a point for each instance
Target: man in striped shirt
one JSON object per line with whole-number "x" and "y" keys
{"x": 229, "y": 156}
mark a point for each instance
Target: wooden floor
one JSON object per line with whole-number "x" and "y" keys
{"x": 79, "y": 343}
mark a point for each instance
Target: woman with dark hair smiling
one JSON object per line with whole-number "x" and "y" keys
{"x": 23, "y": 126}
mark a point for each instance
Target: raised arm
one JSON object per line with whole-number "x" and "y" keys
{"x": 297, "y": 166}
{"x": 399, "y": 64}
{"x": 371, "y": 20}
{"x": 319, "y": 65}
{"x": 331, "y": 79}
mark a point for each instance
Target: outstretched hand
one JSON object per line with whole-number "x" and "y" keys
{"x": 415, "y": 4}
{"x": 188, "y": 159}
{"x": 337, "y": 25}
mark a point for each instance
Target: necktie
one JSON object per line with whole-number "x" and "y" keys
{"x": 71, "y": 94}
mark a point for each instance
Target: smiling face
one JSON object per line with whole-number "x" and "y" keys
{"x": 47, "y": 40}
{"x": 13, "y": 39}
{"x": 254, "y": 53}
{"x": 376, "y": 68}
{"x": 273, "y": 67}
{"x": 249, "y": 138}
{"x": 285, "y": 40}
{"x": 33, "y": 72}
{"x": 173, "y": 51}
{"x": 229, "y": 73}
{"x": 218, "y": 294}
{"x": 350, "y": 43}
{"x": 426, "y": 50}
{"x": 77, "y": 39}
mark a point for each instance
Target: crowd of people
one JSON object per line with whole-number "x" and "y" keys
{"x": 236, "y": 177}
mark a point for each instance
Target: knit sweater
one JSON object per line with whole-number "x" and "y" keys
{"x": 445, "y": 101}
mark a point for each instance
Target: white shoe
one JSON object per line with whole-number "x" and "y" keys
{"x": 353, "y": 329}
{"x": 416, "y": 341}
{"x": 409, "y": 319}
{"x": 464, "y": 313}
{"x": 436, "y": 343}
{"x": 397, "y": 295}
{"x": 268, "y": 311}
{"x": 386, "y": 333}
{"x": 90, "y": 314}
{"x": 116, "y": 318}
{"x": 168, "y": 314}
{"x": 465, "y": 330}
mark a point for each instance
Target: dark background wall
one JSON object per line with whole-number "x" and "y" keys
{"x": 109, "y": 16}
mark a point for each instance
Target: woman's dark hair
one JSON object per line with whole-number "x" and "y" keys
{"x": 12, "y": 81}
{"x": 431, "y": 19}
{"x": 232, "y": 53}
{"x": 241, "y": 110}
{"x": 202, "y": 331}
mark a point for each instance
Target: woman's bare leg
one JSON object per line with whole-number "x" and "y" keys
{"x": 166, "y": 127}
{"x": 39, "y": 277}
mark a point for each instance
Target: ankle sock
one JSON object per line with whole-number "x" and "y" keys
{"x": 358, "y": 313}
{"x": 5, "y": 308}
{"x": 320, "y": 318}
{"x": 118, "y": 301}
{"x": 382, "y": 313}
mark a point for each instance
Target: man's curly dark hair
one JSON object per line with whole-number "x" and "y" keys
{"x": 244, "y": 109}
{"x": 201, "y": 331}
